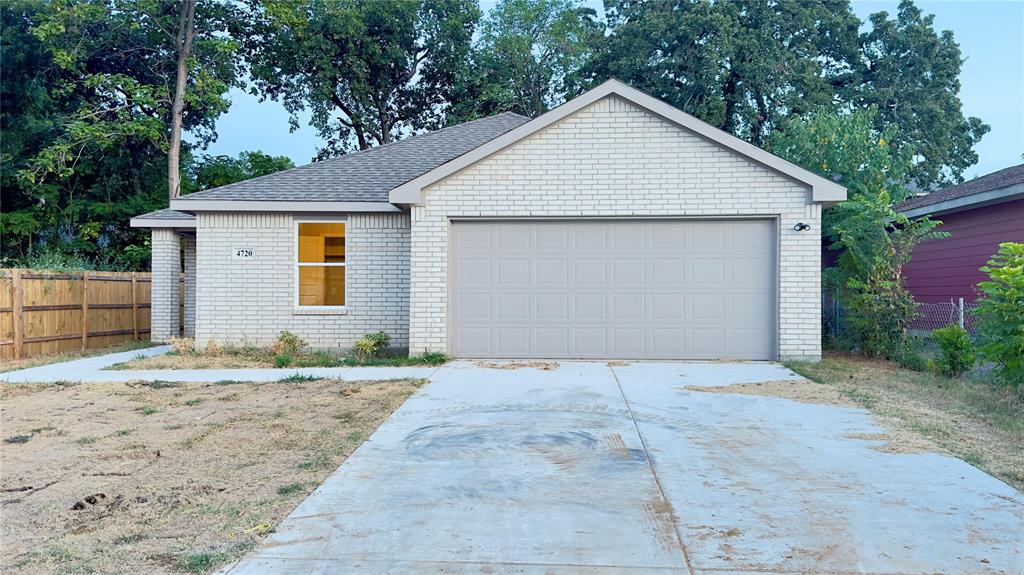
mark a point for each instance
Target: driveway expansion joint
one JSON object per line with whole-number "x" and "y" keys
{"x": 654, "y": 472}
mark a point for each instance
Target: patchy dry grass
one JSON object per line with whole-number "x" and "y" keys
{"x": 246, "y": 357}
{"x": 979, "y": 422}
{"x": 15, "y": 364}
{"x": 154, "y": 477}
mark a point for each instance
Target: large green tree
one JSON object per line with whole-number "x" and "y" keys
{"x": 527, "y": 57}
{"x": 86, "y": 149}
{"x": 369, "y": 72}
{"x": 206, "y": 172}
{"x": 747, "y": 65}
{"x": 743, "y": 65}
{"x": 873, "y": 239}
{"x": 911, "y": 73}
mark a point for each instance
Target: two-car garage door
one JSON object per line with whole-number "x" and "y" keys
{"x": 633, "y": 289}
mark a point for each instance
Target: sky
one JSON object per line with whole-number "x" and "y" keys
{"x": 990, "y": 34}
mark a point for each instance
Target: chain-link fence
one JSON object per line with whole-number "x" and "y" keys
{"x": 930, "y": 316}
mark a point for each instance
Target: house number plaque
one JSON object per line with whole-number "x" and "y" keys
{"x": 243, "y": 253}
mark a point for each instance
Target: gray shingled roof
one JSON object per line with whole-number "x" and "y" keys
{"x": 1001, "y": 179}
{"x": 369, "y": 175}
{"x": 166, "y": 214}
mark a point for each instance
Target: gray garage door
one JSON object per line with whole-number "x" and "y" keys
{"x": 654, "y": 289}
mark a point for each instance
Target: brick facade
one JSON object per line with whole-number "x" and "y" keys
{"x": 614, "y": 159}
{"x": 249, "y": 302}
{"x": 166, "y": 278}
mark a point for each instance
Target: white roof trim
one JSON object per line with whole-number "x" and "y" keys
{"x": 187, "y": 205}
{"x": 162, "y": 223}
{"x": 822, "y": 189}
{"x": 978, "y": 200}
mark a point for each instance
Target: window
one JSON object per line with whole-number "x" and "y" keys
{"x": 320, "y": 269}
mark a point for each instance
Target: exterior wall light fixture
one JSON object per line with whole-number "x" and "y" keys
{"x": 802, "y": 227}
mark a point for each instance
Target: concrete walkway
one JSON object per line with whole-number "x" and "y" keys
{"x": 91, "y": 369}
{"x": 591, "y": 469}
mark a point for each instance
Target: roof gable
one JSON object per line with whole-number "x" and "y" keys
{"x": 822, "y": 189}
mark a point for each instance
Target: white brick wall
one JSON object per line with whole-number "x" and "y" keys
{"x": 166, "y": 278}
{"x": 189, "y": 258}
{"x": 615, "y": 159}
{"x": 243, "y": 302}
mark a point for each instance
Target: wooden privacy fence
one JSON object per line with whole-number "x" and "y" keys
{"x": 43, "y": 313}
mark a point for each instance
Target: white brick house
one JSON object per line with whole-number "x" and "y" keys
{"x": 614, "y": 226}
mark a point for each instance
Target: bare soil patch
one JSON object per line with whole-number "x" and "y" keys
{"x": 159, "y": 477}
{"x": 977, "y": 421}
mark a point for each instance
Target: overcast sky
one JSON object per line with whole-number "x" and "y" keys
{"x": 990, "y": 34}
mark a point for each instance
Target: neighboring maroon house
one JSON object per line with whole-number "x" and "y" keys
{"x": 979, "y": 215}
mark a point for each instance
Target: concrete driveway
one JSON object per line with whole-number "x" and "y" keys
{"x": 591, "y": 469}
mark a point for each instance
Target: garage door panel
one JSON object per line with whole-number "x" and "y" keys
{"x": 514, "y": 340}
{"x": 552, "y": 271}
{"x": 513, "y": 306}
{"x": 590, "y": 236}
{"x": 707, "y": 306}
{"x": 635, "y": 289}
{"x": 590, "y": 271}
{"x": 668, "y": 306}
{"x": 514, "y": 238}
{"x": 628, "y": 342}
{"x": 629, "y": 306}
{"x": 475, "y": 341}
{"x": 474, "y": 271}
{"x": 590, "y": 341}
{"x": 554, "y": 340}
{"x": 590, "y": 306}
{"x": 475, "y": 306}
{"x": 551, "y": 306}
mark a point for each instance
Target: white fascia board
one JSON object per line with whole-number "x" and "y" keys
{"x": 967, "y": 202}
{"x": 162, "y": 223}
{"x": 187, "y": 205}
{"x": 822, "y": 189}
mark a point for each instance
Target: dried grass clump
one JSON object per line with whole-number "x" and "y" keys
{"x": 182, "y": 345}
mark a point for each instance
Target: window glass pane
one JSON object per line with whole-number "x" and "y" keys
{"x": 322, "y": 243}
{"x": 321, "y": 285}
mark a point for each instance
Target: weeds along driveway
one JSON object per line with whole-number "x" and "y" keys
{"x": 588, "y": 468}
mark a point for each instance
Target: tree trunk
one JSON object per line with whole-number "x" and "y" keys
{"x": 186, "y": 32}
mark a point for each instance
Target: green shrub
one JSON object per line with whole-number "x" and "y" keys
{"x": 434, "y": 358}
{"x": 956, "y": 350}
{"x": 1001, "y": 314}
{"x": 909, "y": 355}
{"x": 371, "y": 345}
{"x": 282, "y": 360}
{"x": 288, "y": 344}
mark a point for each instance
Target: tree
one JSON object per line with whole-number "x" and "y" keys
{"x": 743, "y": 65}
{"x": 875, "y": 241}
{"x": 747, "y": 65}
{"x": 527, "y": 58}
{"x": 183, "y": 51}
{"x": 93, "y": 136}
{"x": 912, "y": 75}
{"x": 370, "y": 72}
{"x": 207, "y": 172}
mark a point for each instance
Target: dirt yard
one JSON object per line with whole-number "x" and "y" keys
{"x": 160, "y": 477}
{"x": 979, "y": 422}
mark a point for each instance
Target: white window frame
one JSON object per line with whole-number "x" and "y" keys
{"x": 297, "y": 264}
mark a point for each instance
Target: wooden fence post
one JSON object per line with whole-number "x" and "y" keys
{"x": 85, "y": 310}
{"x": 135, "y": 309}
{"x": 18, "y": 318}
